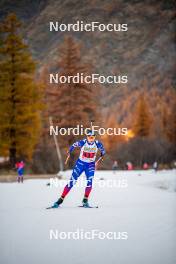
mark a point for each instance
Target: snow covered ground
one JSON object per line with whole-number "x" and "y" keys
{"x": 139, "y": 206}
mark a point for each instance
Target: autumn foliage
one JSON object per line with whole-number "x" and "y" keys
{"x": 20, "y": 96}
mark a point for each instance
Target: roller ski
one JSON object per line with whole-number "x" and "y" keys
{"x": 85, "y": 204}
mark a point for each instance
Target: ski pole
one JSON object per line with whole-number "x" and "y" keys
{"x": 96, "y": 164}
{"x": 68, "y": 156}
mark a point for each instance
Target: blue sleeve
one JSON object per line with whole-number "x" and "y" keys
{"x": 101, "y": 148}
{"x": 77, "y": 144}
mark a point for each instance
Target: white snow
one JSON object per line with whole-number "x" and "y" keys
{"x": 142, "y": 204}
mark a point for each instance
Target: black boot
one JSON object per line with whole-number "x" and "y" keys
{"x": 85, "y": 202}
{"x": 59, "y": 201}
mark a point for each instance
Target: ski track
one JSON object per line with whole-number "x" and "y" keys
{"x": 145, "y": 210}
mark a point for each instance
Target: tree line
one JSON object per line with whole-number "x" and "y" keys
{"x": 28, "y": 102}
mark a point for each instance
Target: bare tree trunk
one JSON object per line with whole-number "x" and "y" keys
{"x": 61, "y": 166}
{"x": 12, "y": 156}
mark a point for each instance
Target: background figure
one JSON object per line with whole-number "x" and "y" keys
{"x": 20, "y": 170}
{"x": 115, "y": 165}
{"x": 129, "y": 165}
{"x": 145, "y": 166}
{"x": 155, "y": 166}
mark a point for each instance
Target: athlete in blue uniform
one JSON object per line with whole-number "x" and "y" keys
{"x": 85, "y": 163}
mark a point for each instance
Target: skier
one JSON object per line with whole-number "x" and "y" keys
{"x": 20, "y": 169}
{"x": 85, "y": 163}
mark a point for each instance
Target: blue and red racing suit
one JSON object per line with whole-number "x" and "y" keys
{"x": 85, "y": 163}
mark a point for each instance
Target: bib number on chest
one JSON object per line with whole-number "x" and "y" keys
{"x": 89, "y": 155}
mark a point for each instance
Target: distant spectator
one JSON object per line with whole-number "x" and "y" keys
{"x": 155, "y": 166}
{"x": 20, "y": 170}
{"x": 129, "y": 165}
{"x": 145, "y": 166}
{"x": 115, "y": 165}
{"x": 174, "y": 164}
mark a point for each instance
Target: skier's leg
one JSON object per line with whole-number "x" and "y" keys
{"x": 89, "y": 171}
{"x": 20, "y": 172}
{"x": 18, "y": 176}
{"x": 77, "y": 170}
